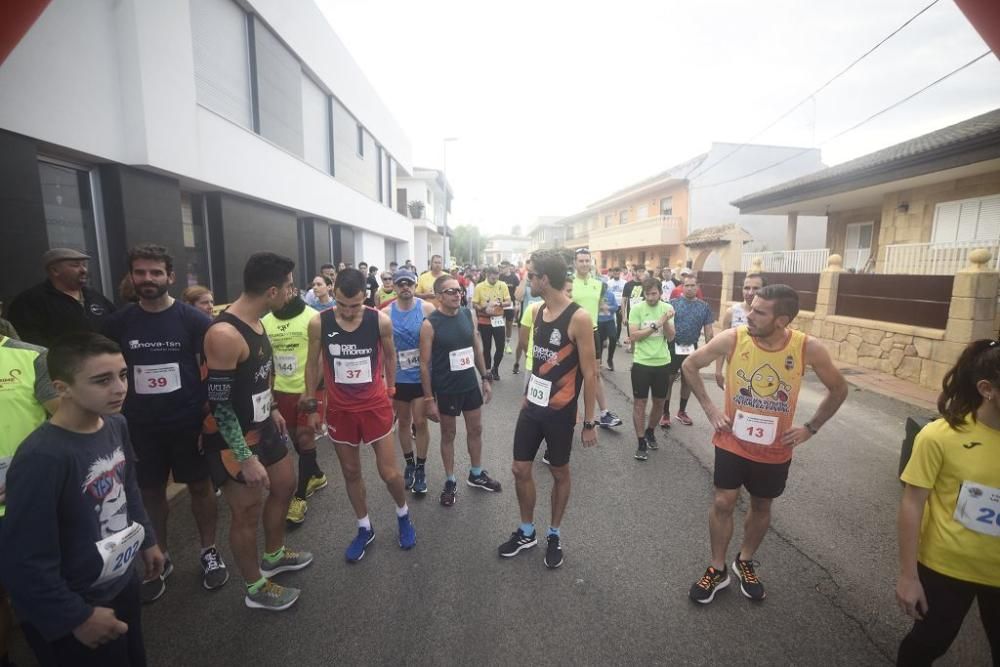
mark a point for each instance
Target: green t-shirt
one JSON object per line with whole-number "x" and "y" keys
{"x": 587, "y": 293}
{"x": 651, "y": 350}
{"x": 290, "y": 344}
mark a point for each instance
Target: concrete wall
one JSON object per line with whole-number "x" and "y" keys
{"x": 836, "y": 227}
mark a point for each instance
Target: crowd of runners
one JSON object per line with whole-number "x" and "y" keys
{"x": 102, "y": 406}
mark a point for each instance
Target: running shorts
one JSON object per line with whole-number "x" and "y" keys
{"x": 762, "y": 480}
{"x": 161, "y": 451}
{"x": 646, "y": 378}
{"x": 360, "y": 428}
{"x": 264, "y": 441}
{"x": 531, "y": 431}
{"x": 455, "y": 404}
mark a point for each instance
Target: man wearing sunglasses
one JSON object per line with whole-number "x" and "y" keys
{"x": 407, "y": 314}
{"x": 450, "y": 356}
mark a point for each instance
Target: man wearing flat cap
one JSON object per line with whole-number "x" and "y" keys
{"x": 62, "y": 303}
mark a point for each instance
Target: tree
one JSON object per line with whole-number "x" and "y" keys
{"x": 467, "y": 244}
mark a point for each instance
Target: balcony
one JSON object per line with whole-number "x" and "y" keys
{"x": 787, "y": 261}
{"x": 656, "y": 231}
{"x": 936, "y": 259}
{"x": 577, "y": 242}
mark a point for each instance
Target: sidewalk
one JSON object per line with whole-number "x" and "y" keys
{"x": 890, "y": 386}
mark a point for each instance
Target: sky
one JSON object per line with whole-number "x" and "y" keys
{"x": 557, "y": 103}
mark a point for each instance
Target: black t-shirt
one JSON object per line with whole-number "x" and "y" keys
{"x": 512, "y": 283}
{"x": 372, "y": 287}
{"x": 42, "y": 313}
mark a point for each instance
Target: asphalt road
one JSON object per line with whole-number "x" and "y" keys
{"x": 635, "y": 537}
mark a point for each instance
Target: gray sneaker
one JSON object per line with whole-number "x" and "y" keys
{"x": 290, "y": 561}
{"x": 214, "y": 573}
{"x": 272, "y": 597}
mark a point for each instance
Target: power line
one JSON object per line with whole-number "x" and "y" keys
{"x": 811, "y": 95}
{"x": 853, "y": 127}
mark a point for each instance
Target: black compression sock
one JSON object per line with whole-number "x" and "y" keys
{"x": 307, "y": 461}
{"x": 421, "y": 462}
{"x": 409, "y": 458}
{"x": 684, "y": 405}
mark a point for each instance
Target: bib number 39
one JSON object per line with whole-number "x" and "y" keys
{"x": 978, "y": 508}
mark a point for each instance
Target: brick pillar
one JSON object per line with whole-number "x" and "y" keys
{"x": 829, "y": 280}
{"x": 972, "y": 314}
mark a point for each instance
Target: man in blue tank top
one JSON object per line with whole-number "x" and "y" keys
{"x": 407, "y": 314}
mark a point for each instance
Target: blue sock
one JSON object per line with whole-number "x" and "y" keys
{"x": 475, "y": 471}
{"x": 553, "y": 531}
{"x": 451, "y": 478}
{"x": 528, "y": 529}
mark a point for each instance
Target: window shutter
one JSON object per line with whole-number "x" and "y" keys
{"x": 946, "y": 222}
{"x": 279, "y": 86}
{"x": 221, "y": 59}
{"x": 315, "y": 124}
{"x": 968, "y": 216}
{"x": 989, "y": 219}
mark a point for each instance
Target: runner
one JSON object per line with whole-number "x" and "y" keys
{"x": 288, "y": 330}
{"x": 245, "y": 434}
{"x": 736, "y": 315}
{"x": 490, "y": 298}
{"x": 524, "y": 299}
{"x": 23, "y": 408}
{"x": 407, "y": 314}
{"x": 754, "y": 433}
{"x": 607, "y": 327}
{"x": 351, "y": 342}
{"x": 75, "y": 523}
{"x": 508, "y": 276}
{"x": 425, "y": 283}
{"x": 949, "y": 516}
{"x": 561, "y": 361}
{"x": 652, "y": 327}
{"x": 587, "y": 293}
{"x": 161, "y": 339}
{"x": 693, "y": 319}
{"x": 450, "y": 354}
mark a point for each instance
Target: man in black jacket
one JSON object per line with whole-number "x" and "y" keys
{"x": 62, "y": 303}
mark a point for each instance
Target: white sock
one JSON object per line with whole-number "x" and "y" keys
{"x": 604, "y": 412}
{"x": 403, "y": 511}
{"x": 206, "y": 549}
{"x": 365, "y": 522}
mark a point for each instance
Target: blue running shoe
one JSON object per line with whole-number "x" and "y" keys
{"x": 356, "y": 549}
{"x": 419, "y": 480}
{"x": 407, "y": 533}
{"x": 408, "y": 475}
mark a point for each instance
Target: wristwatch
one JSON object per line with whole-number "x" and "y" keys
{"x": 487, "y": 378}
{"x": 654, "y": 326}
{"x": 812, "y": 429}
{"x": 589, "y": 426}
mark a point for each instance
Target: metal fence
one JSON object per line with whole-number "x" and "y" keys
{"x": 935, "y": 259}
{"x": 788, "y": 261}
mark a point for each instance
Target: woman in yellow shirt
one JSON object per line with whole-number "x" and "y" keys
{"x": 949, "y": 517}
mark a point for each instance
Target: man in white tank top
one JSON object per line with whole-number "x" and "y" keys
{"x": 736, "y": 316}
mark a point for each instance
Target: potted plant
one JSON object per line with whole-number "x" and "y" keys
{"x": 416, "y": 209}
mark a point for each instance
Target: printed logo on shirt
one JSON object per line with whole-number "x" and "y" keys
{"x": 332, "y": 334}
{"x": 159, "y": 346}
{"x": 105, "y": 485}
{"x": 264, "y": 371}
{"x": 789, "y": 362}
{"x": 970, "y": 445}
{"x": 13, "y": 377}
{"x": 555, "y": 338}
{"x": 765, "y": 390}
{"x": 283, "y": 327}
{"x": 97, "y": 309}
{"x": 975, "y": 491}
{"x": 349, "y": 350}
{"x": 546, "y": 355}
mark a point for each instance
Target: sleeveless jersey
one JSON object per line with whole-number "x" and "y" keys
{"x": 554, "y": 385}
{"x": 251, "y": 393}
{"x": 762, "y": 389}
{"x": 739, "y": 315}
{"x": 290, "y": 340}
{"x": 406, "y": 336}
{"x": 353, "y": 368}
{"x": 453, "y": 346}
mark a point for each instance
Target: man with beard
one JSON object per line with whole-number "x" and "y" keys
{"x": 754, "y": 432}
{"x": 61, "y": 304}
{"x": 161, "y": 339}
{"x": 246, "y": 434}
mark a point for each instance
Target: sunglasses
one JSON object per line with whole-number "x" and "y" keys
{"x": 532, "y": 275}
{"x": 452, "y": 291}
{"x": 405, "y": 283}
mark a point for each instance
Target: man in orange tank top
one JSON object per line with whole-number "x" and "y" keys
{"x": 754, "y": 431}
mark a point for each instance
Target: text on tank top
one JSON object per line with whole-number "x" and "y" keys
{"x": 251, "y": 393}
{"x": 739, "y": 315}
{"x": 353, "y": 368}
{"x": 762, "y": 389}
{"x": 406, "y": 336}
{"x": 453, "y": 363}
{"x": 554, "y": 384}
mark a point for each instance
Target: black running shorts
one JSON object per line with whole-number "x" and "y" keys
{"x": 556, "y": 432}
{"x": 161, "y": 451}
{"x": 408, "y": 391}
{"x": 455, "y": 404}
{"x": 762, "y": 480}
{"x": 646, "y": 378}
{"x": 265, "y": 442}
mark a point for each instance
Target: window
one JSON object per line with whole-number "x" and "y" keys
{"x": 858, "y": 245}
{"x": 967, "y": 220}
{"x": 361, "y": 140}
{"x": 221, "y": 59}
{"x": 193, "y": 268}
{"x": 622, "y": 217}
{"x": 667, "y": 206}
{"x": 279, "y": 90}
{"x": 643, "y": 212}
{"x": 607, "y": 221}
{"x": 70, "y": 217}
{"x": 315, "y": 125}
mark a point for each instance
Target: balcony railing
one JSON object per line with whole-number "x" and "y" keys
{"x": 788, "y": 261}
{"x": 654, "y": 231}
{"x": 936, "y": 259}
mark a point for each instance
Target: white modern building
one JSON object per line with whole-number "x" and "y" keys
{"x": 426, "y": 187}
{"x": 511, "y": 248}
{"x": 214, "y": 127}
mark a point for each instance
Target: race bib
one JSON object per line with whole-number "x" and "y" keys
{"x": 683, "y": 350}
{"x": 758, "y": 429}
{"x": 353, "y": 371}
{"x": 539, "y": 390}
{"x": 497, "y": 321}
{"x": 4, "y": 465}
{"x": 261, "y": 406}
{"x": 978, "y": 508}
{"x": 157, "y": 378}
{"x": 408, "y": 359}
{"x": 286, "y": 364}
{"x": 461, "y": 360}
{"x": 118, "y": 551}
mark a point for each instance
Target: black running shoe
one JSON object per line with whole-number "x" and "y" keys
{"x": 641, "y": 453}
{"x": 750, "y": 585}
{"x": 517, "y": 543}
{"x": 496, "y": 374}
{"x": 713, "y": 581}
{"x": 553, "y": 553}
{"x": 516, "y": 369}
{"x": 483, "y": 481}
{"x": 651, "y": 439}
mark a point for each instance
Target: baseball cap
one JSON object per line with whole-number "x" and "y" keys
{"x": 686, "y": 272}
{"x": 54, "y": 255}
{"x": 404, "y": 274}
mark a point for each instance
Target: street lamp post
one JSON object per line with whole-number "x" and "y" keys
{"x": 446, "y": 251}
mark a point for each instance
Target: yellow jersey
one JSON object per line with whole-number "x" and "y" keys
{"x": 290, "y": 344}
{"x": 484, "y": 294}
{"x": 528, "y": 320}
{"x": 960, "y": 531}
{"x": 762, "y": 388}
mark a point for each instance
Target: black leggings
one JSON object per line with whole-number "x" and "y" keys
{"x": 948, "y": 601}
{"x": 607, "y": 332}
{"x": 491, "y": 334}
